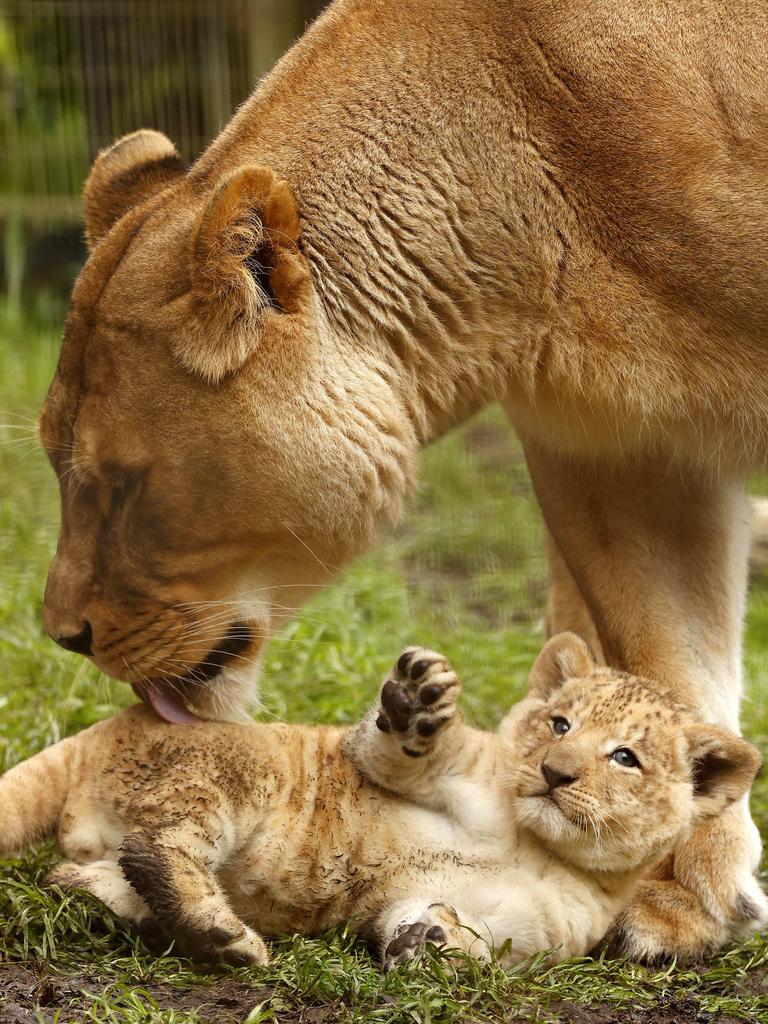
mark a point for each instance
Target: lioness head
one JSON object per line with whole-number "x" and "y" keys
{"x": 219, "y": 450}
{"x": 609, "y": 772}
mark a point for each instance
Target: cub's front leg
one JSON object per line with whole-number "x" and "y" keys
{"x": 173, "y": 872}
{"x": 415, "y": 736}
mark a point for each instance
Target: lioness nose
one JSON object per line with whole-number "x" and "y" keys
{"x": 80, "y": 644}
{"x": 555, "y": 777}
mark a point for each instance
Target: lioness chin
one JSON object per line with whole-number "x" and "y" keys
{"x": 411, "y": 825}
{"x": 427, "y": 206}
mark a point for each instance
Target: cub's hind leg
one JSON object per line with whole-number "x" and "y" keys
{"x": 174, "y": 872}
{"x": 403, "y": 929}
{"x": 104, "y": 880}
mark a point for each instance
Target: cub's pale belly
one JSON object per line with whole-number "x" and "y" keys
{"x": 309, "y": 873}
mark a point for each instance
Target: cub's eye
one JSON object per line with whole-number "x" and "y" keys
{"x": 625, "y": 758}
{"x": 560, "y": 726}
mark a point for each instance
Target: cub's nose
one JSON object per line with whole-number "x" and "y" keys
{"x": 555, "y": 776}
{"x": 80, "y": 644}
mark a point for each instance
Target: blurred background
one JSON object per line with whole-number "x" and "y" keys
{"x": 76, "y": 74}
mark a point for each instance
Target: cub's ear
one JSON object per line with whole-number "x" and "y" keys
{"x": 125, "y": 174}
{"x": 246, "y": 263}
{"x": 564, "y": 657}
{"x": 723, "y": 766}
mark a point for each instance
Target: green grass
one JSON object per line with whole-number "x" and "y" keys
{"x": 466, "y": 573}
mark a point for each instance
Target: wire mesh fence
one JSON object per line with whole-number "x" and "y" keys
{"x": 78, "y": 73}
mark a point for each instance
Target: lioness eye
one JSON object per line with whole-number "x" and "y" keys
{"x": 117, "y": 492}
{"x": 625, "y": 758}
{"x": 121, "y": 486}
{"x": 560, "y": 726}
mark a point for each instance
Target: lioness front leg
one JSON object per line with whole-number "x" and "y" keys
{"x": 658, "y": 554}
{"x": 415, "y": 734}
{"x": 172, "y": 872}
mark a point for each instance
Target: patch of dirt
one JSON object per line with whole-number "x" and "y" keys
{"x": 32, "y": 996}
{"x": 455, "y": 586}
{"x": 28, "y": 997}
{"x": 754, "y": 983}
{"x": 671, "y": 1011}
{"x": 492, "y": 443}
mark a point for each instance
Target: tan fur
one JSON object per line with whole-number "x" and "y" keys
{"x": 137, "y": 166}
{"x": 411, "y": 824}
{"x": 560, "y": 205}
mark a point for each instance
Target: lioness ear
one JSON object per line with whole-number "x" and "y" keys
{"x": 246, "y": 261}
{"x": 565, "y": 656}
{"x": 125, "y": 174}
{"x": 723, "y": 766}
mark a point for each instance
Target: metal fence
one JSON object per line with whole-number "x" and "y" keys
{"x": 74, "y": 74}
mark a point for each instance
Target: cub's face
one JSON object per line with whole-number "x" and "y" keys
{"x": 217, "y": 459}
{"x": 603, "y": 770}
{"x": 608, "y": 772}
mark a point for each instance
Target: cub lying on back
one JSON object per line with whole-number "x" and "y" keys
{"x": 411, "y": 825}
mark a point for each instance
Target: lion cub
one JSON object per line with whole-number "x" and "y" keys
{"x": 411, "y": 824}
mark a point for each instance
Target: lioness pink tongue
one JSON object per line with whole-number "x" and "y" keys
{"x": 165, "y": 699}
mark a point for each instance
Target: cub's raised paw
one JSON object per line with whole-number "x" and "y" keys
{"x": 418, "y": 699}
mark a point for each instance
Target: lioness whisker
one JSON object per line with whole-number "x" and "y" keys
{"x": 198, "y": 632}
{"x": 326, "y": 565}
{"x": 294, "y": 610}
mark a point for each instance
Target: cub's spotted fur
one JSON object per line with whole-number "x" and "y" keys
{"x": 411, "y": 824}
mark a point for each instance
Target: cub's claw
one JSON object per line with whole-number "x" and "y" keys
{"x": 418, "y": 699}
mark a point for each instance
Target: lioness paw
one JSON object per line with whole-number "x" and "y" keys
{"x": 418, "y": 699}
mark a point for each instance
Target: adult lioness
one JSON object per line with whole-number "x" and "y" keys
{"x": 428, "y": 205}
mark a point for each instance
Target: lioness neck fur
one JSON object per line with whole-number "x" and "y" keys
{"x": 411, "y": 825}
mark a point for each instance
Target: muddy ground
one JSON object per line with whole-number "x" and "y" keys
{"x": 35, "y": 996}
{"x": 38, "y": 997}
